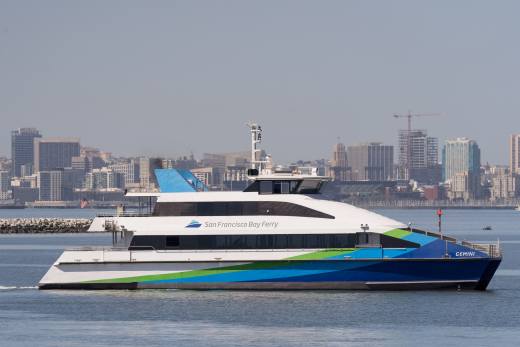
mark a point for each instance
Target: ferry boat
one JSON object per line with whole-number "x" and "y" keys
{"x": 278, "y": 234}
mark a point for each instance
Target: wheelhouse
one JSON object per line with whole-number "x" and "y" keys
{"x": 287, "y": 185}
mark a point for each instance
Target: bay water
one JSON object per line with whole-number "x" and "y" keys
{"x": 29, "y": 317}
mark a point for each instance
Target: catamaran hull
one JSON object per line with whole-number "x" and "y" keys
{"x": 388, "y": 274}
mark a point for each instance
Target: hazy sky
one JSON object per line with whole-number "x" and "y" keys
{"x": 170, "y": 77}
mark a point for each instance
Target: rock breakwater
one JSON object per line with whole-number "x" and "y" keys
{"x": 44, "y": 225}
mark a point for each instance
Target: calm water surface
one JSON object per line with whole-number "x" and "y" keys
{"x": 29, "y": 317}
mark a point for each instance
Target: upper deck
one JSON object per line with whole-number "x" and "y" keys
{"x": 287, "y": 184}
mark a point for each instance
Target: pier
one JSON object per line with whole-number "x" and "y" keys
{"x": 44, "y": 225}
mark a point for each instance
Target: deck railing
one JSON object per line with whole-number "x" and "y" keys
{"x": 126, "y": 254}
{"x": 492, "y": 249}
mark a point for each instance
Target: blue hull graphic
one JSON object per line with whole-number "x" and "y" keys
{"x": 326, "y": 274}
{"x": 392, "y": 274}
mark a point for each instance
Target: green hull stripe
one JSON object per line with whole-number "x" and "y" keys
{"x": 398, "y": 233}
{"x": 323, "y": 254}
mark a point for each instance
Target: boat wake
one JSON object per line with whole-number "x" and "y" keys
{"x": 17, "y": 287}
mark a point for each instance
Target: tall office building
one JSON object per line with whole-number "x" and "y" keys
{"x": 418, "y": 156}
{"x": 461, "y": 167}
{"x": 339, "y": 163}
{"x": 22, "y": 149}
{"x": 50, "y": 184}
{"x": 514, "y": 154}
{"x": 5, "y": 181}
{"x": 26, "y": 170}
{"x": 54, "y": 153}
{"x": 371, "y": 162}
{"x": 144, "y": 172}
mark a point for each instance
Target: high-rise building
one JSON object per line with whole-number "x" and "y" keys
{"x": 461, "y": 166}
{"x": 186, "y": 163}
{"x": 514, "y": 154}
{"x": 22, "y": 149}
{"x": 50, "y": 185}
{"x": 129, "y": 169}
{"x": 217, "y": 163}
{"x": 81, "y": 163}
{"x": 504, "y": 186}
{"x": 144, "y": 172}
{"x": 214, "y": 160}
{"x": 339, "y": 163}
{"x": 238, "y": 158}
{"x": 104, "y": 178}
{"x": 26, "y": 170}
{"x": 206, "y": 175}
{"x": 5, "y": 164}
{"x": 5, "y": 181}
{"x": 420, "y": 162}
{"x": 54, "y": 153}
{"x": 371, "y": 162}
{"x": 147, "y": 167}
{"x": 235, "y": 177}
{"x": 96, "y": 158}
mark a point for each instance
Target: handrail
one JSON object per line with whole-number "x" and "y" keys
{"x": 127, "y": 255}
{"x": 145, "y": 248}
{"x": 97, "y": 248}
{"x": 492, "y": 249}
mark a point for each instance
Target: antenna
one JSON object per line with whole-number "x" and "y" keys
{"x": 256, "y": 138}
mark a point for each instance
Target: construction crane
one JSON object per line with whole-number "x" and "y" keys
{"x": 409, "y": 117}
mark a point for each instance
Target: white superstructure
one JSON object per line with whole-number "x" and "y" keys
{"x": 346, "y": 218}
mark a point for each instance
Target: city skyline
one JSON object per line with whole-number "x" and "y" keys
{"x": 397, "y": 152}
{"x": 5, "y": 152}
{"x": 63, "y": 171}
{"x": 185, "y": 77}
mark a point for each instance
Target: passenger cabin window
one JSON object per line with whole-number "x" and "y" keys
{"x": 236, "y": 208}
{"x": 272, "y": 241}
{"x": 309, "y": 187}
{"x": 281, "y": 187}
{"x": 172, "y": 241}
{"x": 266, "y": 187}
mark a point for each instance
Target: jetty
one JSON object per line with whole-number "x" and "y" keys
{"x": 44, "y": 225}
